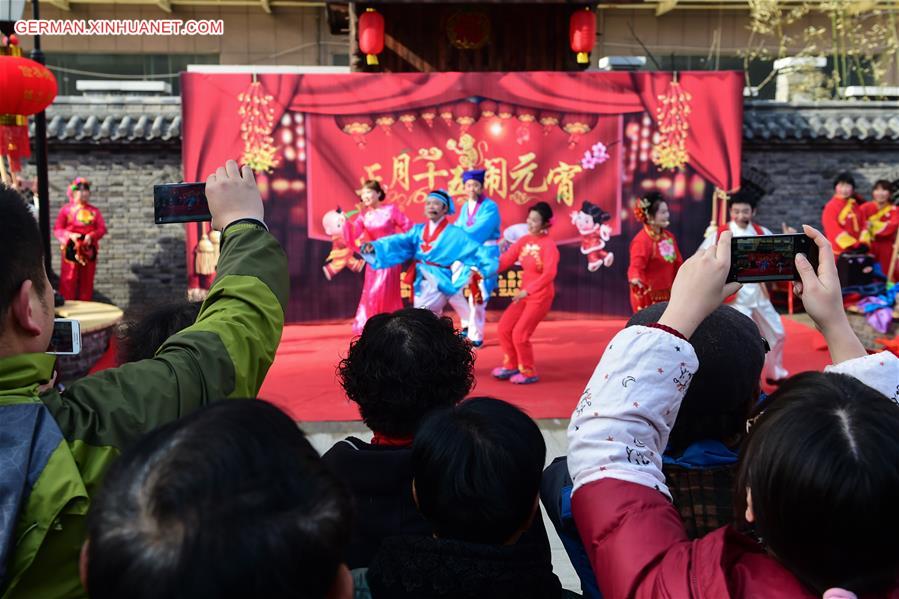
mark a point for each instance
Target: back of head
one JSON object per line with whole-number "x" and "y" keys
{"x": 731, "y": 356}
{"x": 140, "y": 339}
{"x": 22, "y": 258}
{"x": 231, "y": 501}
{"x": 403, "y": 366}
{"x": 822, "y": 464}
{"x": 477, "y": 470}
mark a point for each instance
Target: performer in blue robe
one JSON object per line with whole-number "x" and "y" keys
{"x": 479, "y": 217}
{"x": 444, "y": 256}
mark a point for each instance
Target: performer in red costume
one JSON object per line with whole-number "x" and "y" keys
{"x": 79, "y": 228}
{"x": 883, "y": 223}
{"x": 655, "y": 256}
{"x": 539, "y": 258}
{"x": 843, "y": 220}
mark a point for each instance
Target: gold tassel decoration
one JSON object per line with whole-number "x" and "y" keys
{"x": 216, "y": 238}
{"x": 205, "y": 257}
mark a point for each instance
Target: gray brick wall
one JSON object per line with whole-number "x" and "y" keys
{"x": 803, "y": 177}
{"x": 140, "y": 263}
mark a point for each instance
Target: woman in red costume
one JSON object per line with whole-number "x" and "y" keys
{"x": 78, "y": 229}
{"x": 539, "y": 259}
{"x": 844, "y": 223}
{"x": 381, "y": 290}
{"x": 655, "y": 256}
{"x": 883, "y": 223}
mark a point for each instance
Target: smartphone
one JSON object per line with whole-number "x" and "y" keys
{"x": 66, "y": 339}
{"x": 180, "y": 203}
{"x": 769, "y": 257}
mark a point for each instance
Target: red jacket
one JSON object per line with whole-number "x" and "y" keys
{"x": 654, "y": 262}
{"x": 539, "y": 258}
{"x": 882, "y": 226}
{"x": 844, "y": 224}
{"x": 82, "y": 219}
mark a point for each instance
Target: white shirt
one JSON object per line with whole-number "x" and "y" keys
{"x": 432, "y": 225}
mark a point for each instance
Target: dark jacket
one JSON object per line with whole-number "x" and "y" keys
{"x": 428, "y": 568}
{"x": 380, "y": 480}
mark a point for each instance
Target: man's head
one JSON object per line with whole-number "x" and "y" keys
{"x": 404, "y": 366}
{"x": 742, "y": 210}
{"x": 844, "y": 185}
{"x": 473, "y": 183}
{"x": 476, "y": 471}
{"x": 231, "y": 501}
{"x": 731, "y": 355}
{"x": 26, "y": 297}
{"x": 438, "y": 204}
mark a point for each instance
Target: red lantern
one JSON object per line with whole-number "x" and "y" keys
{"x": 548, "y": 119}
{"x": 407, "y": 118}
{"x": 526, "y": 115}
{"x": 385, "y": 122}
{"x": 371, "y": 35}
{"x": 466, "y": 114}
{"x": 576, "y": 125}
{"x": 488, "y": 108}
{"x": 505, "y": 111}
{"x": 428, "y": 115}
{"x": 28, "y": 88}
{"x": 357, "y": 126}
{"x": 446, "y": 113}
{"x": 582, "y": 33}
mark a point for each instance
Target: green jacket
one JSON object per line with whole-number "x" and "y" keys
{"x": 55, "y": 448}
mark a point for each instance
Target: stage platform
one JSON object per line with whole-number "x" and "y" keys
{"x": 303, "y": 380}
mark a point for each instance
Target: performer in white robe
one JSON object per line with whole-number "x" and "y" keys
{"x": 753, "y": 299}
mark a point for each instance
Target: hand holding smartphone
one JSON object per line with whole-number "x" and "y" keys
{"x": 66, "y": 338}
{"x": 768, "y": 258}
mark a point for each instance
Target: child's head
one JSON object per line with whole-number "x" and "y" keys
{"x": 731, "y": 355}
{"x": 141, "y": 339}
{"x": 477, "y": 469}
{"x": 820, "y": 469}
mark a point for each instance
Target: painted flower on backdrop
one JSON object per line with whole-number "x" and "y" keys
{"x": 595, "y": 156}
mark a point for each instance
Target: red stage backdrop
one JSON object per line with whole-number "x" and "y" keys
{"x": 412, "y": 155}
{"x": 559, "y": 137}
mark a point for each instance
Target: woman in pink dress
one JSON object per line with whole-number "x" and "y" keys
{"x": 381, "y": 291}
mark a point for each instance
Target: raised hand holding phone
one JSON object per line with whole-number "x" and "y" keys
{"x": 699, "y": 287}
{"x": 822, "y": 298}
{"x": 233, "y": 195}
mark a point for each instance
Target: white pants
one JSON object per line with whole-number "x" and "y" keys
{"x": 431, "y": 298}
{"x": 772, "y": 329}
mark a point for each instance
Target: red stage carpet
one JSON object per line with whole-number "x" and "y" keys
{"x": 302, "y": 380}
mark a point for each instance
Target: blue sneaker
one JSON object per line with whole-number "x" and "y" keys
{"x": 520, "y": 379}
{"x": 477, "y": 343}
{"x": 503, "y": 374}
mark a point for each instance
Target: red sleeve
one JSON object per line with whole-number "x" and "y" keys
{"x": 679, "y": 259}
{"x": 634, "y": 538}
{"x": 99, "y": 226}
{"x": 353, "y": 229}
{"x": 892, "y": 225}
{"x": 61, "y": 228}
{"x": 550, "y": 267}
{"x": 839, "y": 238}
{"x": 509, "y": 257}
{"x": 641, "y": 250}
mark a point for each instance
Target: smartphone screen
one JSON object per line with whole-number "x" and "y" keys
{"x": 180, "y": 203}
{"x": 769, "y": 257}
{"x": 66, "y": 338}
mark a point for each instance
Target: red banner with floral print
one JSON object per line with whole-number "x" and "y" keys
{"x": 564, "y": 161}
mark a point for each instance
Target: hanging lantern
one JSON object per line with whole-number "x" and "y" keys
{"x": 488, "y": 109}
{"x": 505, "y": 111}
{"x": 466, "y": 114}
{"x": 582, "y": 33}
{"x": 526, "y": 115}
{"x": 576, "y": 125}
{"x": 548, "y": 120}
{"x": 371, "y": 35}
{"x": 28, "y": 88}
{"x": 673, "y": 118}
{"x": 407, "y": 119}
{"x": 446, "y": 113}
{"x": 385, "y": 122}
{"x": 357, "y": 126}
{"x": 428, "y": 115}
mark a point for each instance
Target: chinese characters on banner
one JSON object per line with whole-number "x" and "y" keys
{"x": 525, "y": 163}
